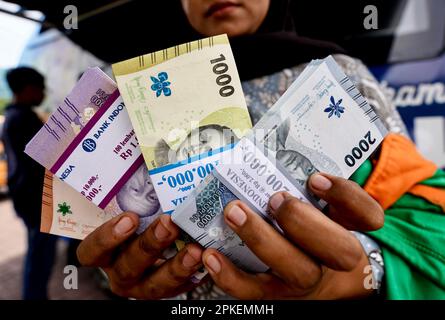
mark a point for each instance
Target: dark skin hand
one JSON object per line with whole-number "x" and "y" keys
{"x": 318, "y": 258}
{"x": 133, "y": 263}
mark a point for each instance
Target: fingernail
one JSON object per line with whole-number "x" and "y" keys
{"x": 320, "y": 182}
{"x": 192, "y": 257}
{"x": 275, "y": 201}
{"x": 123, "y": 226}
{"x": 161, "y": 232}
{"x": 213, "y": 264}
{"x": 237, "y": 216}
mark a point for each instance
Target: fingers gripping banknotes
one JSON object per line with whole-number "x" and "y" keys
{"x": 186, "y": 104}
{"x": 101, "y": 160}
{"x": 322, "y": 123}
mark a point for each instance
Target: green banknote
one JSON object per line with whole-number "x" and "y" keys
{"x": 173, "y": 94}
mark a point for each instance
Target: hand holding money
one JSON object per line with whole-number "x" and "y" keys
{"x": 127, "y": 265}
{"x": 316, "y": 258}
{"x": 322, "y": 123}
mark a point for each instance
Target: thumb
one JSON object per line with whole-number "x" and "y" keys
{"x": 349, "y": 204}
{"x": 98, "y": 248}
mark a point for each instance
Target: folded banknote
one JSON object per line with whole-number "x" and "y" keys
{"x": 322, "y": 123}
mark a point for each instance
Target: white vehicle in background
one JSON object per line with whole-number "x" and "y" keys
{"x": 406, "y": 53}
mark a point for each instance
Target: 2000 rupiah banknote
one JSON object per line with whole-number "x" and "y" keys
{"x": 322, "y": 123}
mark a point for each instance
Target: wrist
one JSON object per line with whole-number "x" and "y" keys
{"x": 346, "y": 285}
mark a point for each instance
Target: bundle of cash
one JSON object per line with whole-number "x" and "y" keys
{"x": 103, "y": 159}
{"x": 84, "y": 100}
{"x": 322, "y": 123}
{"x": 186, "y": 105}
{"x": 89, "y": 144}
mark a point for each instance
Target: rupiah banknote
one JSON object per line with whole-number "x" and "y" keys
{"x": 186, "y": 105}
{"x": 322, "y": 123}
{"x": 121, "y": 182}
{"x": 172, "y": 93}
{"x": 65, "y": 212}
{"x": 99, "y": 158}
{"x": 89, "y": 143}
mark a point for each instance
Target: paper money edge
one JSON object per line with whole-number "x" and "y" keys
{"x": 46, "y": 216}
{"x": 151, "y": 59}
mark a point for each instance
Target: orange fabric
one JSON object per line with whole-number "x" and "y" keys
{"x": 434, "y": 195}
{"x": 399, "y": 168}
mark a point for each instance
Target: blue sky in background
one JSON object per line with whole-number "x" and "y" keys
{"x": 15, "y": 33}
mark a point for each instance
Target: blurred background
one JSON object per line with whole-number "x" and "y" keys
{"x": 405, "y": 53}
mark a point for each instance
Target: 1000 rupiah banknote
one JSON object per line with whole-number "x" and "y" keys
{"x": 186, "y": 103}
{"x": 322, "y": 123}
{"x": 172, "y": 92}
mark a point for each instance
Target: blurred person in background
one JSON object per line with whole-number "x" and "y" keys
{"x": 318, "y": 256}
{"x": 25, "y": 177}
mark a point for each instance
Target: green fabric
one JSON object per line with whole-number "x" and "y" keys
{"x": 413, "y": 244}
{"x": 362, "y": 173}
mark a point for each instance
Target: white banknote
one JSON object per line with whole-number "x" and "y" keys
{"x": 322, "y": 123}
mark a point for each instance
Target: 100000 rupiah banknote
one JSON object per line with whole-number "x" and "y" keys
{"x": 322, "y": 123}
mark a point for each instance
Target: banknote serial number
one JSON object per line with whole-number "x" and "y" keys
{"x": 360, "y": 150}
{"x": 223, "y": 79}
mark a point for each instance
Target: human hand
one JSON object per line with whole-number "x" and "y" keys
{"x": 316, "y": 258}
{"x": 133, "y": 263}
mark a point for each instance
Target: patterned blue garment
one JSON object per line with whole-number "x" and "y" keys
{"x": 263, "y": 92}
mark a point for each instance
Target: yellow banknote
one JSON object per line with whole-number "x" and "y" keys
{"x": 184, "y": 100}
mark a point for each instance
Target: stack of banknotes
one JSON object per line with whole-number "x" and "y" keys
{"x": 174, "y": 135}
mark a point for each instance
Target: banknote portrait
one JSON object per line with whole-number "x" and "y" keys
{"x": 200, "y": 140}
{"x": 297, "y": 164}
{"x": 299, "y": 167}
{"x": 138, "y": 195}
